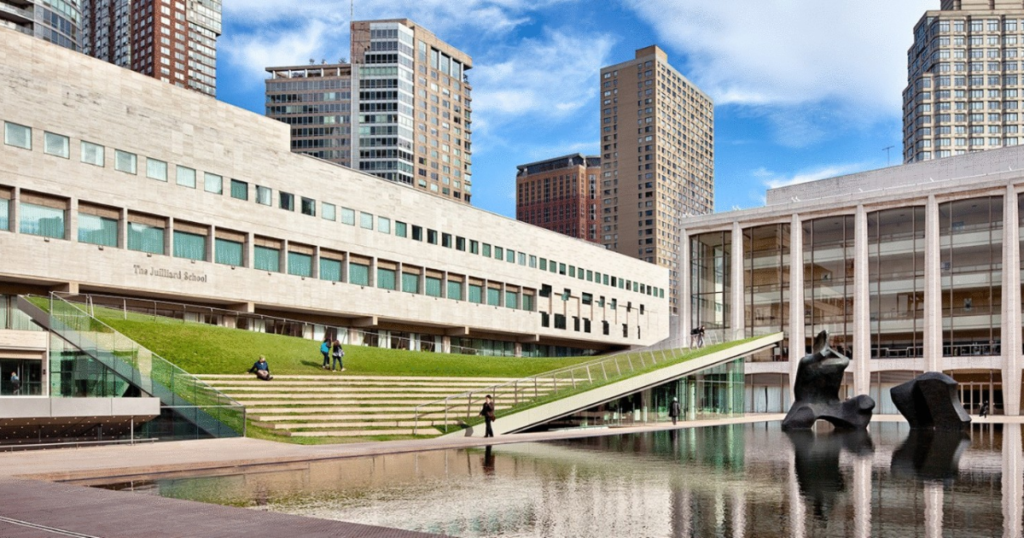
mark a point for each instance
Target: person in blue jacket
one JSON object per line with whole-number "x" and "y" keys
{"x": 261, "y": 369}
{"x": 325, "y": 350}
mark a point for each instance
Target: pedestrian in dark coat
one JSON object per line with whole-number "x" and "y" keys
{"x": 674, "y": 410}
{"x": 488, "y": 413}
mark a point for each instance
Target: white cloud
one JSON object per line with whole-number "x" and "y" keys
{"x": 251, "y": 53}
{"x": 774, "y": 180}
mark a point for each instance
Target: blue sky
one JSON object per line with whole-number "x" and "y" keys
{"x": 803, "y": 89}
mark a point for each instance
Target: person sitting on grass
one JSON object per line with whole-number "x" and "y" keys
{"x": 261, "y": 369}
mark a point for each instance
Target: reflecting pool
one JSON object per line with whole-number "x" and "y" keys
{"x": 746, "y": 480}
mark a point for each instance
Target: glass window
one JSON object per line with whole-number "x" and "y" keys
{"x": 125, "y": 162}
{"x": 92, "y": 153}
{"x": 522, "y": 258}
{"x": 493, "y": 295}
{"x": 561, "y": 268}
{"x": 42, "y": 220}
{"x": 328, "y": 211}
{"x": 528, "y": 303}
{"x": 145, "y": 238}
{"x": 410, "y": 283}
{"x": 510, "y": 256}
{"x": 213, "y": 183}
{"x": 365, "y": 220}
{"x": 189, "y": 246}
{"x": 287, "y": 201}
{"x": 455, "y": 290}
{"x": 401, "y": 229}
{"x": 417, "y": 233}
{"x": 476, "y": 293}
{"x": 239, "y": 189}
{"x": 330, "y": 270}
{"x": 55, "y": 144}
{"x": 186, "y": 177}
{"x": 227, "y": 252}
{"x": 97, "y": 230}
{"x": 307, "y": 206}
{"x": 384, "y": 225}
{"x": 533, "y": 262}
{"x": 543, "y": 264}
{"x": 264, "y": 195}
{"x": 499, "y": 253}
{"x": 266, "y": 259}
{"x": 446, "y": 240}
{"x": 511, "y": 299}
{"x": 348, "y": 216}
{"x": 5, "y": 214}
{"x": 486, "y": 252}
{"x": 386, "y": 278}
{"x": 18, "y": 136}
{"x": 156, "y": 169}
{"x": 432, "y": 236}
{"x": 300, "y": 264}
{"x": 433, "y": 286}
{"x": 359, "y": 274}
{"x": 474, "y": 247}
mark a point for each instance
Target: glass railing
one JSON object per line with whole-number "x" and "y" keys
{"x": 196, "y": 408}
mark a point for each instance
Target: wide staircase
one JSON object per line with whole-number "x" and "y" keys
{"x": 359, "y": 406}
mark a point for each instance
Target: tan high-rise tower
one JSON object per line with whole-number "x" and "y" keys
{"x": 964, "y": 79}
{"x": 657, "y": 158}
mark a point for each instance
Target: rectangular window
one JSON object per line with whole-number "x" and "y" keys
{"x": 386, "y": 278}
{"x": 510, "y": 256}
{"x": 446, "y": 240}
{"x": 474, "y": 247}
{"x": 348, "y": 216}
{"x": 455, "y": 290}
{"x": 97, "y": 230}
{"x": 417, "y": 233}
{"x": 366, "y": 221}
{"x": 18, "y": 136}
{"x": 511, "y": 299}
{"x": 307, "y": 206}
{"x": 287, "y": 201}
{"x": 5, "y": 214}
{"x": 499, "y": 253}
{"x": 125, "y": 162}
{"x": 432, "y": 236}
{"x": 487, "y": 251}
{"x": 213, "y": 183}
{"x": 476, "y": 293}
{"x": 572, "y": 271}
{"x": 186, "y": 177}
{"x": 57, "y": 145}
{"x": 433, "y": 286}
{"x": 92, "y": 153}
{"x": 189, "y": 246}
{"x": 227, "y": 252}
{"x": 359, "y": 274}
{"x": 410, "y": 283}
{"x": 239, "y": 189}
{"x": 528, "y": 303}
{"x": 264, "y": 195}
{"x": 45, "y": 221}
{"x": 266, "y": 259}
{"x": 522, "y": 258}
{"x": 156, "y": 169}
{"x": 533, "y": 262}
{"x": 493, "y": 296}
{"x": 401, "y": 229}
{"x": 145, "y": 238}
{"x": 460, "y": 243}
{"x": 384, "y": 225}
{"x": 328, "y": 211}
{"x": 561, "y": 268}
{"x": 330, "y": 270}
{"x": 300, "y": 264}
{"x": 543, "y": 264}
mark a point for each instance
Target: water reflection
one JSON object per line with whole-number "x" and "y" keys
{"x": 725, "y": 481}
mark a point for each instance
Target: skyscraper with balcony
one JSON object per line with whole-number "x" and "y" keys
{"x": 964, "y": 79}
{"x": 56, "y": 21}
{"x": 409, "y": 108}
{"x": 657, "y": 158}
{"x": 560, "y": 195}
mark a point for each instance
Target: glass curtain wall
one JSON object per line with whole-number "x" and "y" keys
{"x": 766, "y": 284}
{"x": 971, "y": 239}
{"x": 709, "y": 279}
{"x": 828, "y": 281}
{"x": 896, "y": 281}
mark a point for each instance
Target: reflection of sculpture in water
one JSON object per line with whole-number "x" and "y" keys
{"x": 817, "y": 392}
{"x": 930, "y": 401}
{"x": 817, "y": 464}
{"x": 930, "y": 455}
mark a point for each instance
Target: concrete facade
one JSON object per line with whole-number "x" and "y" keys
{"x": 106, "y": 145}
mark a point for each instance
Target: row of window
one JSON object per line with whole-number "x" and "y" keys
{"x": 58, "y": 145}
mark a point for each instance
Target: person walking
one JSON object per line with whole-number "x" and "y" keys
{"x": 15, "y": 383}
{"x": 984, "y": 409}
{"x": 325, "y": 350}
{"x": 261, "y": 369}
{"x": 674, "y": 410}
{"x": 488, "y": 413}
{"x": 337, "y": 353}
{"x": 700, "y": 337}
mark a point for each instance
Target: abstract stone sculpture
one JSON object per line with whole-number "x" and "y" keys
{"x": 817, "y": 392}
{"x": 930, "y": 401}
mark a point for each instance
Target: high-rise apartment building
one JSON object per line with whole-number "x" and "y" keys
{"x": 56, "y": 21}
{"x": 657, "y": 158}
{"x": 409, "y": 102}
{"x": 316, "y": 101}
{"x": 560, "y": 195}
{"x": 171, "y": 40}
{"x": 964, "y": 79}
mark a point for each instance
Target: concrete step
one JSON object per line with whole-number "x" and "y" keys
{"x": 367, "y": 410}
{"x": 347, "y": 416}
{"x": 345, "y": 376}
{"x": 365, "y": 433}
{"x": 354, "y": 424}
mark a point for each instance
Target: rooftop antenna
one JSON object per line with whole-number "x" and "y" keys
{"x": 886, "y": 149}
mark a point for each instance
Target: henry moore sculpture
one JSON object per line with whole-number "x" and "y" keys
{"x": 818, "y": 378}
{"x": 930, "y": 400}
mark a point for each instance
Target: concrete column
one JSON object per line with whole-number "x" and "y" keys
{"x": 344, "y": 268}
{"x": 1013, "y": 481}
{"x": 736, "y": 319}
{"x": 14, "y": 211}
{"x": 861, "y": 305}
{"x": 684, "y": 293}
{"x": 250, "y": 248}
{"x": 501, "y": 295}
{"x": 315, "y": 269}
{"x": 122, "y": 228}
{"x": 71, "y": 222}
{"x": 796, "y": 298}
{"x": 169, "y": 237}
{"x": 932, "y": 288}
{"x": 444, "y": 284}
{"x": 862, "y": 497}
{"x": 282, "y": 257}
{"x": 211, "y": 244}
{"x": 1011, "y": 317}
{"x": 372, "y": 278}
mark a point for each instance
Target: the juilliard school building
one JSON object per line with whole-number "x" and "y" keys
{"x": 912, "y": 268}
{"x": 116, "y": 184}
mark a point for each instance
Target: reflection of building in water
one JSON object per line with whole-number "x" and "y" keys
{"x": 912, "y": 268}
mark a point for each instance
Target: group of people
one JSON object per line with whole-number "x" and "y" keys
{"x": 332, "y": 350}
{"x": 697, "y": 337}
